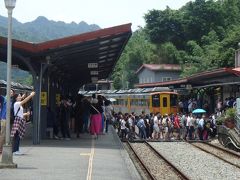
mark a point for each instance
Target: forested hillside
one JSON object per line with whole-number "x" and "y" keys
{"x": 39, "y": 30}
{"x": 200, "y": 36}
{"x": 42, "y": 29}
{"x": 17, "y": 75}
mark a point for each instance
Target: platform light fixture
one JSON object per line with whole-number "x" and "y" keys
{"x": 10, "y": 4}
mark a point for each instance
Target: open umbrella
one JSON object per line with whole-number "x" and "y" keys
{"x": 195, "y": 111}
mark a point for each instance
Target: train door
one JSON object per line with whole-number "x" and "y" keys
{"x": 155, "y": 103}
{"x": 165, "y": 103}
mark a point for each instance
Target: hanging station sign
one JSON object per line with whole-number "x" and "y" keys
{"x": 95, "y": 73}
{"x": 92, "y": 65}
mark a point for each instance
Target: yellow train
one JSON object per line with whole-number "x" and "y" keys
{"x": 164, "y": 102}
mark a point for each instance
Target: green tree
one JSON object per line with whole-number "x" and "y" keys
{"x": 202, "y": 35}
{"x": 165, "y": 26}
{"x": 139, "y": 50}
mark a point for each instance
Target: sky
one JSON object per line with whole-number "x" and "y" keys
{"x": 105, "y": 13}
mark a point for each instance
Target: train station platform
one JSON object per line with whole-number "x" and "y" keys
{"x": 77, "y": 159}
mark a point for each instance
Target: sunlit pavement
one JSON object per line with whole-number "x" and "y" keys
{"x": 82, "y": 158}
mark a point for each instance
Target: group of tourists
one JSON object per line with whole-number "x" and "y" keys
{"x": 92, "y": 114}
{"x": 87, "y": 114}
{"x": 165, "y": 127}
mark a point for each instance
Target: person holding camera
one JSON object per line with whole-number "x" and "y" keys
{"x": 18, "y": 128}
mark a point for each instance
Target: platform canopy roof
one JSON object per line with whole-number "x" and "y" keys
{"x": 70, "y": 58}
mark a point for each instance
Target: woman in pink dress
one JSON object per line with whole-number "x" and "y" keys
{"x": 96, "y": 118}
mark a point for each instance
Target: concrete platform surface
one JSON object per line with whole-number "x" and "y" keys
{"x": 76, "y": 159}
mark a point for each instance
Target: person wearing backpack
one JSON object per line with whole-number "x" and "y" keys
{"x": 142, "y": 128}
{"x": 201, "y": 127}
{"x": 18, "y": 128}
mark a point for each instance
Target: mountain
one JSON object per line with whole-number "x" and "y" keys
{"x": 42, "y": 29}
{"x": 18, "y": 75}
{"x": 39, "y": 30}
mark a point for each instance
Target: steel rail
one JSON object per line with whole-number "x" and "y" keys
{"x": 223, "y": 149}
{"x": 182, "y": 175}
{"x": 140, "y": 160}
{"x": 216, "y": 155}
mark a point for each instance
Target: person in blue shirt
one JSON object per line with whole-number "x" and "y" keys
{"x": 3, "y": 121}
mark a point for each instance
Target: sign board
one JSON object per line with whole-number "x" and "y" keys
{"x": 238, "y": 113}
{"x": 238, "y": 106}
{"x": 57, "y": 98}
{"x": 237, "y": 58}
{"x": 92, "y": 65}
{"x": 189, "y": 86}
{"x": 15, "y": 66}
{"x": 93, "y": 72}
{"x": 43, "y": 98}
{"x": 182, "y": 86}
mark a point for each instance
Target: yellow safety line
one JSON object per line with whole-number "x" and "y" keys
{"x": 90, "y": 162}
{"x": 85, "y": 154}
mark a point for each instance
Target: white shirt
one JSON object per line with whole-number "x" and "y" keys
{"x": 155, "y": 120}
{"x": 189, "y": 121}
{"x": 201, "y": 122}
{"x": 123, "y": 124}
{"x": 130, "y": 122}
{"x": 16, "y": 107}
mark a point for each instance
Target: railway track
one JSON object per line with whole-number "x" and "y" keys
{"x": 194, "y": 162}
{"x": 154, "y": 164}
{"x": 219, "y": 152}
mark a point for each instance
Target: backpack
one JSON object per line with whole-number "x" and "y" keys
{"x": 12, "y": 117}
{"x": 140, "y": 123}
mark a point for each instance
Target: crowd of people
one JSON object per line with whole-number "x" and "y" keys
{"x": 84, "y": 115}
{"x": 93, "y": 114}
{"x": 87, "y": 114}
{"x": 165, "y": 127}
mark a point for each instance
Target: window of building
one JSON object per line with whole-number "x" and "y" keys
{"x": 166, "y": 79}
{"x": 151, "y": 79}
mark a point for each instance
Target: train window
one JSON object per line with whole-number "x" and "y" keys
{"x": 120, "y": 102}
{"x": 131, "y": 103}
{"x": 126, "y": 102}
{"x": 165, "y": 102}
{"x": 147, "y": 103}
{"x": 156, "y": 100}
{"x": 173, "y": 100}
{"x": 136, "y": 102}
